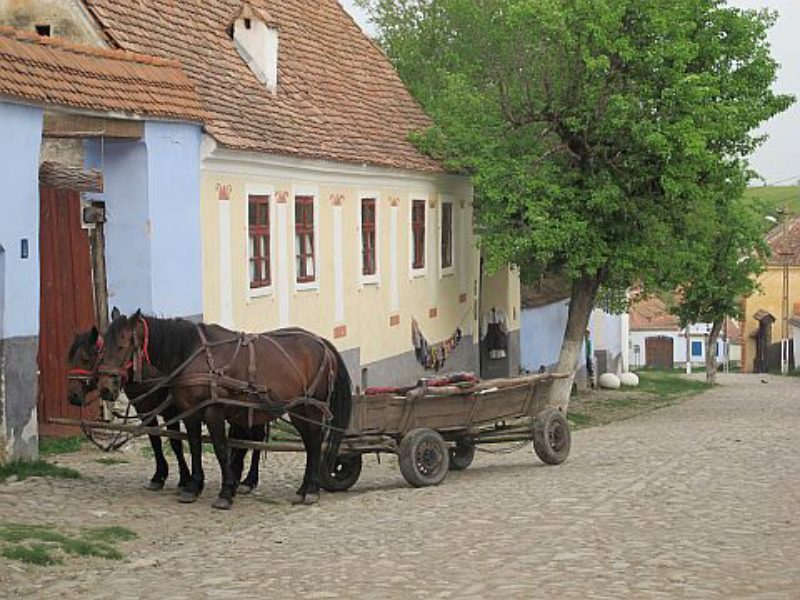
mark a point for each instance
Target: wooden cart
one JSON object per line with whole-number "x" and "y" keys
{"x": 433, "y": 430}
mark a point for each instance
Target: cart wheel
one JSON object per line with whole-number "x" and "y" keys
{"x": 344, "y": 475}
{"x": 424, "y": 459}
{"x": 461, "y": 456}
{"x": 551, "y": 436}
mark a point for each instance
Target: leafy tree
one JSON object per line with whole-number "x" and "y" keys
{"x": 592, "y": 128}
{"x": 729, "y": 254}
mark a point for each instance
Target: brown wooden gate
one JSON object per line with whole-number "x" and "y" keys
{"x": 67, "y": 299}
{"x": 658, "y": 352}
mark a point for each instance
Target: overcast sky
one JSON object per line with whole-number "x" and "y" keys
{"x": 778, "y": 159}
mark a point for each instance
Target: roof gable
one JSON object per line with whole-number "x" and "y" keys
{"x": 339, "y": 97}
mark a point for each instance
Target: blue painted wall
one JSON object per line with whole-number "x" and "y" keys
{"x": 124, "y": 166}
{"x": 541, "y": 334}
{"x": 173, "y": 166}
{"x": 20, "y": 144}
{"x": 542, "y": 331}
{"x": 152, "y": 195}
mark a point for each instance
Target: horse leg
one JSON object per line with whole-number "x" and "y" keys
{"x": 177, "y": 449}
{"x": 195, "y": 484}
{"x": 238, "y": 455}
{"x": 258, "y": 433}
{"x": 162, "y": 467}
{"x": 312, "y": 440}
{"x": 215, "y": 421}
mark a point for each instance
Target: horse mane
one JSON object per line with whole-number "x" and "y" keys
{"x": 172, "y": 341}
{"x": 82, "y": 340}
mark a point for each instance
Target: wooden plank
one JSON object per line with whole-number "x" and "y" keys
{"x": 62, "y": 125}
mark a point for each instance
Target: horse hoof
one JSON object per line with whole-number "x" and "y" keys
{"x": 298, "y": 499}
{"x": 311, "y": 499}
{"x": 244, "y": 489}
{"x": 222, "y": 503}
{"x": 187, "y": 497}
{"x": 155, "y": 486}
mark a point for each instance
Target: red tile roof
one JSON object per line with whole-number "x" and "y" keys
{"x": 652, "y": 314}
{"x": 56, "y": 72}
{"x": 788, "y": 243}
{"x": 338, "y": 96}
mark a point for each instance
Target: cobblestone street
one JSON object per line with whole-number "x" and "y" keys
{"x": 700, "y": 500}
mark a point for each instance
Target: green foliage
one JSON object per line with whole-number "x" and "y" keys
{"x": 39, "y": 468}
{"x": 596, "y": 131}
{"x": 49, "y": 446}
{"x": 45, "y": 545}
{"x": 729, "y": 253}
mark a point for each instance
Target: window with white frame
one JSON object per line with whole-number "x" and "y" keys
{"x": 305, "y": 266}
{"x": 259, "y": 234}
{"x": 369, "y": 238}
{"x": 446, "y": 237}
{"x": 418, "y": 210}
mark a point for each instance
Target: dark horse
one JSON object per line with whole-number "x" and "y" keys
{"x": 84, "y": 358}
{"x": 218, "y": 375}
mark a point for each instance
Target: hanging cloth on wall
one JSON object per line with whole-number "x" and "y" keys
{"x": 433, "y": 356}
{"x": 494, "y": 333}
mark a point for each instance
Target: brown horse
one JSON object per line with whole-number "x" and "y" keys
{"x": 217, "y": 375}
{"x": 84, "y": 358}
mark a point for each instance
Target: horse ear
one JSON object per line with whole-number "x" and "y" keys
{"x": 115, "y": 314}
{"x": 137, "y": 315}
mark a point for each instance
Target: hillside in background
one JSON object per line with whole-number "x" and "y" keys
{"x": 768, "y": 199}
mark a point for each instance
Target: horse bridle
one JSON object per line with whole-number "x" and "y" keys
{"x": 141, "y": 354}
{"x": 88, "y": 378}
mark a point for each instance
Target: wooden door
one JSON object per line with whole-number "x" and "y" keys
{"x": 659, "y": 352}
{"x": 67, "y": 300}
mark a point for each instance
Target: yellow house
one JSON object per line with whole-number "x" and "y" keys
{"x": 317, "y": 211}
{"x": 763, "y": 311}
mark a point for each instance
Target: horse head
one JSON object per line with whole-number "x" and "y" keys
{"x": 125, "y": 343}
{"x": 82, "y": 363}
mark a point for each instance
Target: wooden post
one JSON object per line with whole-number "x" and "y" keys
{"x": 96, "y": 214}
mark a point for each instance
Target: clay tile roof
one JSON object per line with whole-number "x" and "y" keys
{"x": 788, "y": 243}
{"x": 652, "y": 314}
{"x": 56, "y": 72}
{"x": 247, "y": 10}
{"x": 338, "y": 96}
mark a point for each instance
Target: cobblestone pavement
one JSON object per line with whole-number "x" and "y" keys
{"x": 699, "y": 500}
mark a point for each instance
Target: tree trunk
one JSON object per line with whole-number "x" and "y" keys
{"x": 711, "y": 352}
{"x": 584, "y": 293}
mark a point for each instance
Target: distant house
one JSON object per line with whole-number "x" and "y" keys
{"x": 658, "y": 341}
{"x": 763, "y": 311}
{"x": 65, "y": 107}
{"x": 545, "y": 308}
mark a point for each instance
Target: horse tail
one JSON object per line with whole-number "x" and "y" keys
{"x": 341, "y": 403}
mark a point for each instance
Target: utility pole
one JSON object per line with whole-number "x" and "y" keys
{"x": 785, "y": 254}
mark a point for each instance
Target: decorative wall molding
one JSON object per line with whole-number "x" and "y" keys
{"x": 224, "y": 191}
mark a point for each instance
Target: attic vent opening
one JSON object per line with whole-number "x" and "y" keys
{"x": 255, "y": 35}
{"x": 42, "y": 30}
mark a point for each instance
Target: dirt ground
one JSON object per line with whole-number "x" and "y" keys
{"x": 697, "y": 500}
